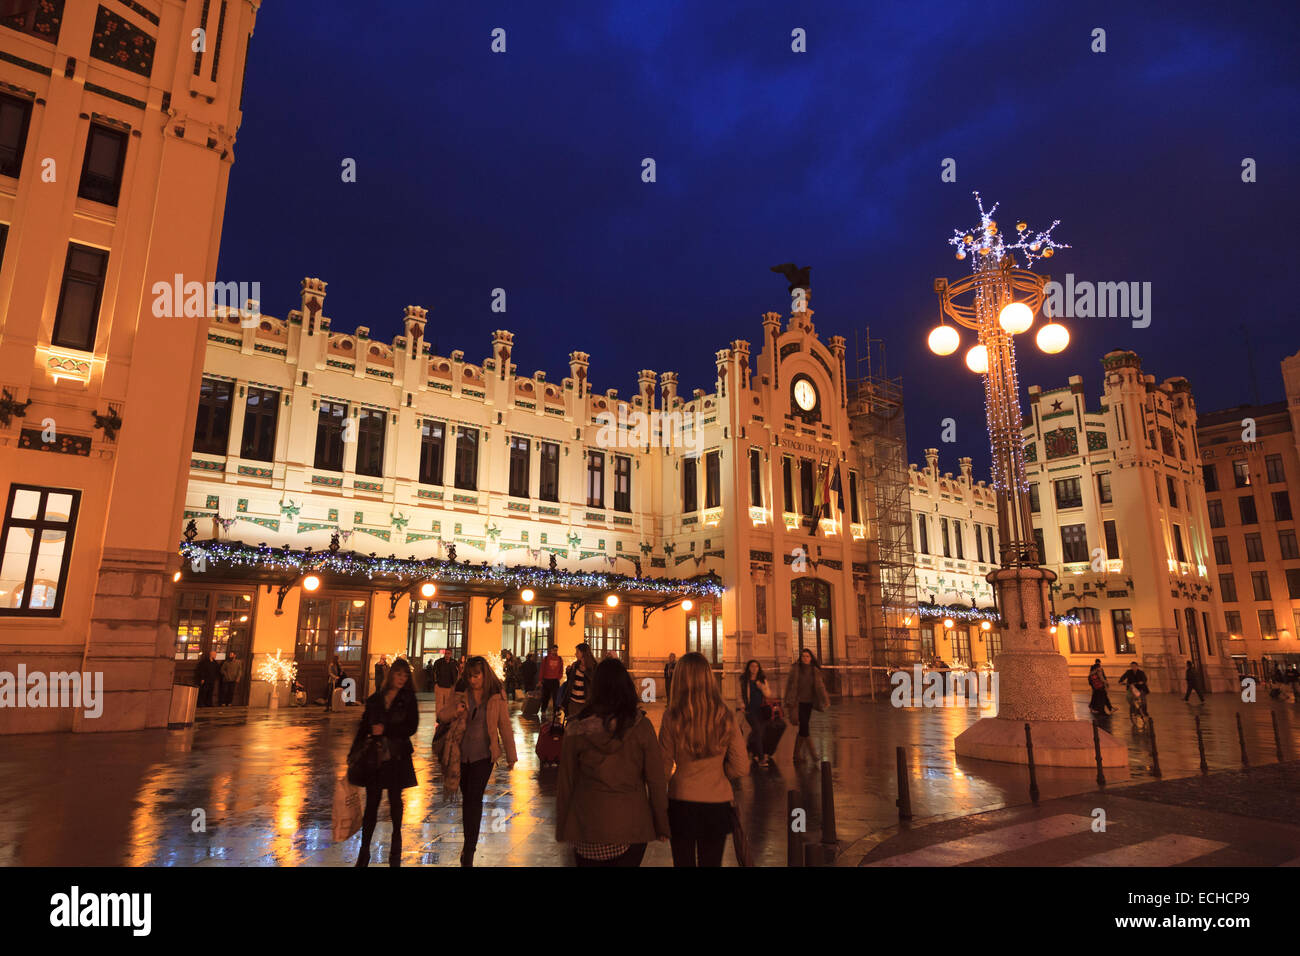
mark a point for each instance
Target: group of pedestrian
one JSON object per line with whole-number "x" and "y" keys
{"x": 1137, "y": 688}
{"x": 218, "y": 680}
{"x": 513, "y": 669}
{"x": 621, "y": 785}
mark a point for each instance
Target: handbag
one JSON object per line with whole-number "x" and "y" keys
{"x": 348, "y": 810}
{"x": 739, "y": 842}
{"x": 365, "y": 762}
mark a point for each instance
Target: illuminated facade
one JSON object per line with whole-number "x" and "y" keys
{"x": 307, "y": 435}
{"x": 116, "y": 150}
{"x": 1251, "y": 472}
{"x": 1119, "y": 510}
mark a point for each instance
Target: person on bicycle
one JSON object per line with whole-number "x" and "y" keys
{"x": 1136, "y": 679}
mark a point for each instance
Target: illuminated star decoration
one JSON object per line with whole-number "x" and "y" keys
{"x": 985, "y": 241}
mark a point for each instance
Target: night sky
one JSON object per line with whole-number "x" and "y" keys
{"x": 522, "y": 171}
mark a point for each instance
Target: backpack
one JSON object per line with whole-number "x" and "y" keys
{"x": 1095, "y": 680}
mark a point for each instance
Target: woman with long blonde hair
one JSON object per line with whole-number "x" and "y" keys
{"x": 703, "y": 752}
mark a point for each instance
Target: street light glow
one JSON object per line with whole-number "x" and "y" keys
{"x": 1053, "y": 338}
{"x": 944, "y": 340}
{"x": 310, "y": 583}
{"x": 527, "y": 595}
{"x": 1015, "y": 318}
{"x": 428, "y": 589}
{"x": 977, "y": 359}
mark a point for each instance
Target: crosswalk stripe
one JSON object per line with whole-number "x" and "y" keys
{"x": 1167, "y": 850}
{"x": 1001, "y": 840}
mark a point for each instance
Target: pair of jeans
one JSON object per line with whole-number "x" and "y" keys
{"x": 371, "y": 818}
{"x": 699, "y": 832}
{"x": 474, "y": 779}
{"x": 805, "y": 713}
{"x": 631, "y": 857}
{"x": 550, "y": 690}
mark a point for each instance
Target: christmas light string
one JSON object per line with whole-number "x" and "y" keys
{"x": 966, "y": 614}
{"x": 985, "y": 241}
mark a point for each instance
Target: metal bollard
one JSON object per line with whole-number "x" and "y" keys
{"x": 1033, "y": 773}
{"x": 1096, "y": 747}
{"x": 1241, "y": 739}
{"x": 904, "y": 801}
{"x": 828, "y": 808}
{"x": 1200, "y": 745}
{"x": 1155, "y": 751}
{"x": 1277, "y": 737}
{"x": 794, "y": 853}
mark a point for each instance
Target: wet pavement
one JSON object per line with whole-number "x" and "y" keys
{"x": 263, "y": 781}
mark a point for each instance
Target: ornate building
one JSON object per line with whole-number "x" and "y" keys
{"x": 956, "y": 545}
{"x": 1251, "y": 472}
{"x": 518, "y": 511}
{"x": 115, "y": 149}
{"x": 1120, "y": 515}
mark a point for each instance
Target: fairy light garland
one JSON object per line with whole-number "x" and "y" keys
{"x": 985, "y": 243}
{"x": 969, "y": 615}
{"x": 349, "y": 564}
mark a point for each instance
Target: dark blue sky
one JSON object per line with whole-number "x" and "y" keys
{"x": 522, "y": 171}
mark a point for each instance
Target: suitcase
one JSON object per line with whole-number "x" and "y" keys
{"x": 532, "y": 706}
{"x": 772, "y": 734}
{"x": 549, "y": 741}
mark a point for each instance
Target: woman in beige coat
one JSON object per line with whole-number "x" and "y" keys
{"x": 480, "y": 733}
{"x": 805, "y": 691}
{"x": 704, "y": 752}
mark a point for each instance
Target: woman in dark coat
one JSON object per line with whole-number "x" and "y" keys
{"x": 392, "y": 712}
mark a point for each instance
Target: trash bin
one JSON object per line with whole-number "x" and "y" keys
{"x": 185, "y": 701}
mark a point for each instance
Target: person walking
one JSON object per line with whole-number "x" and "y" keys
{"x": 381, "y": 670}
{"x": 445, "y": 673}
{"x": 668, "y": 675}
{"x": 209, "y": 674}
{"x": 703, "y": 752}
{"x": 393, "y": 714}
{"x": 528, "y": 672}
{"x": 580, "y": 674}
{"x": 510, "y": 664}
{"x": 232, "y": 668}
{"x": 754, "y": 693}
{"x": 551, "y": 672}
{"x": 480, "y": 733}
{"x": 805, "y": 692}
{"x": 613, "y": 796}
{"x": 334, "y": 679}
{"x": 429, "y": 680}
{"x": 1192, "y": 683}
{"x": 1100, "y": 702}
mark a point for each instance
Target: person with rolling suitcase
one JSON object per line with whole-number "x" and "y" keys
{"x": 550, "y": 739}
{"x": 754, "y": 693}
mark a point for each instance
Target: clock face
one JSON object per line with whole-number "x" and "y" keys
{"x": 805, "y": 396}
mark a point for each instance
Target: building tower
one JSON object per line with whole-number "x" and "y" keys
{"x": 118, "y": 124}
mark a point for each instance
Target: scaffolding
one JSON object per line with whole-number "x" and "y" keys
{"x": 880, "y": 440}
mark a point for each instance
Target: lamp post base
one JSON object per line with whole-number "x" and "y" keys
{"x": 1057, "y": 743}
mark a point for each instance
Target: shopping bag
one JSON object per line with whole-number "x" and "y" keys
{"x": 349, "y": 808}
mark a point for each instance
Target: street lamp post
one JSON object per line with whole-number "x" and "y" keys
{"x": 998, "y": 301}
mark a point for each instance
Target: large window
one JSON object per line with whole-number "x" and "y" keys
{"x": 704, "y": 630}
{"x": 854, "y": 515}
{"x": 433, "y": 626}
{"x": 1179, "y": 553}
{"x": 212, "y": 423}
{"x": 622, "y": 483}
{"x": 755, "y": 478}
{"x": 1259, "y": 584}
{"x": 960, "y": 636}
{"x": 1281, "y": 506}
{"x": 1240, "y": 473}
{"x": 1274, "y": 469}
{"x": 1173, "y": 491}
{"x": 923, "y": 533}
{"x": 35, "y": 549}
{"x": 520, "y": 462}
{"x": 1068, "y": 493}
{"x": 1246, "y": 504}
{"x": 690, "y": 480}
{"x": 217, "y": 621}
{"x": 1121, "y": 622}
{"x": 993, "y": 554}
{"x": 467, "y": 458}
{"x": 807, "y": 487}
{"x": 328, "y": 626}
{"x": 712, "y": 479}
{"x": 1293, "y": 583}
{"x": 77, "y": 318}
{"x": 1232, "y": 619}
{"x": 1103, "y": 489}
{"x": 1085, "y": 637}
{"x": 1074, "y": 543}
{"x": 787, "y": 482}
{"x": 1216, "y": 513}
{"x": 526, "y": 629}
{"x": 370, "y": 442}
{"x": 1254, "y": 547}
{"x": 957, "y": 539}
{"x": 1211, "y": 477}
{"x": 605, "y": 630}
{"x": 979, "y": 545}
{"x": 15, "y": 115}
{"x": 1287, "y": 542}
{"x": 595, "y": 479}
{"x": 1112, "y": 539}
{"x": 1222, "y": 553}
{"x": 330, "y": 420}
{"x": 943, "y": 535}
{"x": 433, "y": 441}
{"x": 1227, "y": 587}
{"x": 1035, "y": 505}
{"x": 101, "y": 173}
{"x": 1267, "y": 625}
{"x": 261, "y": 412}
{"x": 548, "y": 483}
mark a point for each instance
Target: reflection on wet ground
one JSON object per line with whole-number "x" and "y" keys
{"x": 264, "y": 783}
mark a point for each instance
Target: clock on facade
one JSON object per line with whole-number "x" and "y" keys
{"x": 805, "y": 395}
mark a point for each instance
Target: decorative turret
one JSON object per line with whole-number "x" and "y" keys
{"x": 414, "y": 323}
{"x": 313, "y": 305}
{"x": 668, "y": 389}
{"x": 932, "y": 461}
{"x": 722, "y": 358}
{"x": 502, "y": 344}
{"x": 579, "y": 362}
{"x": 645, "y": 380}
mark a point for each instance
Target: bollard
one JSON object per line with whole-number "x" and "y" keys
{"x": 1155, "y": 752}
{"x": 794, "y": 853}
{"x": 1096, "y": 746}
{"x": 1241, "y": 739}
{"x": 1033, "y": 774}
{"x": 904, "y": 801}
{"x": 1277, "y": 737}
{"x": 1200, "y": 745}
{"x": 828, "y": 808}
